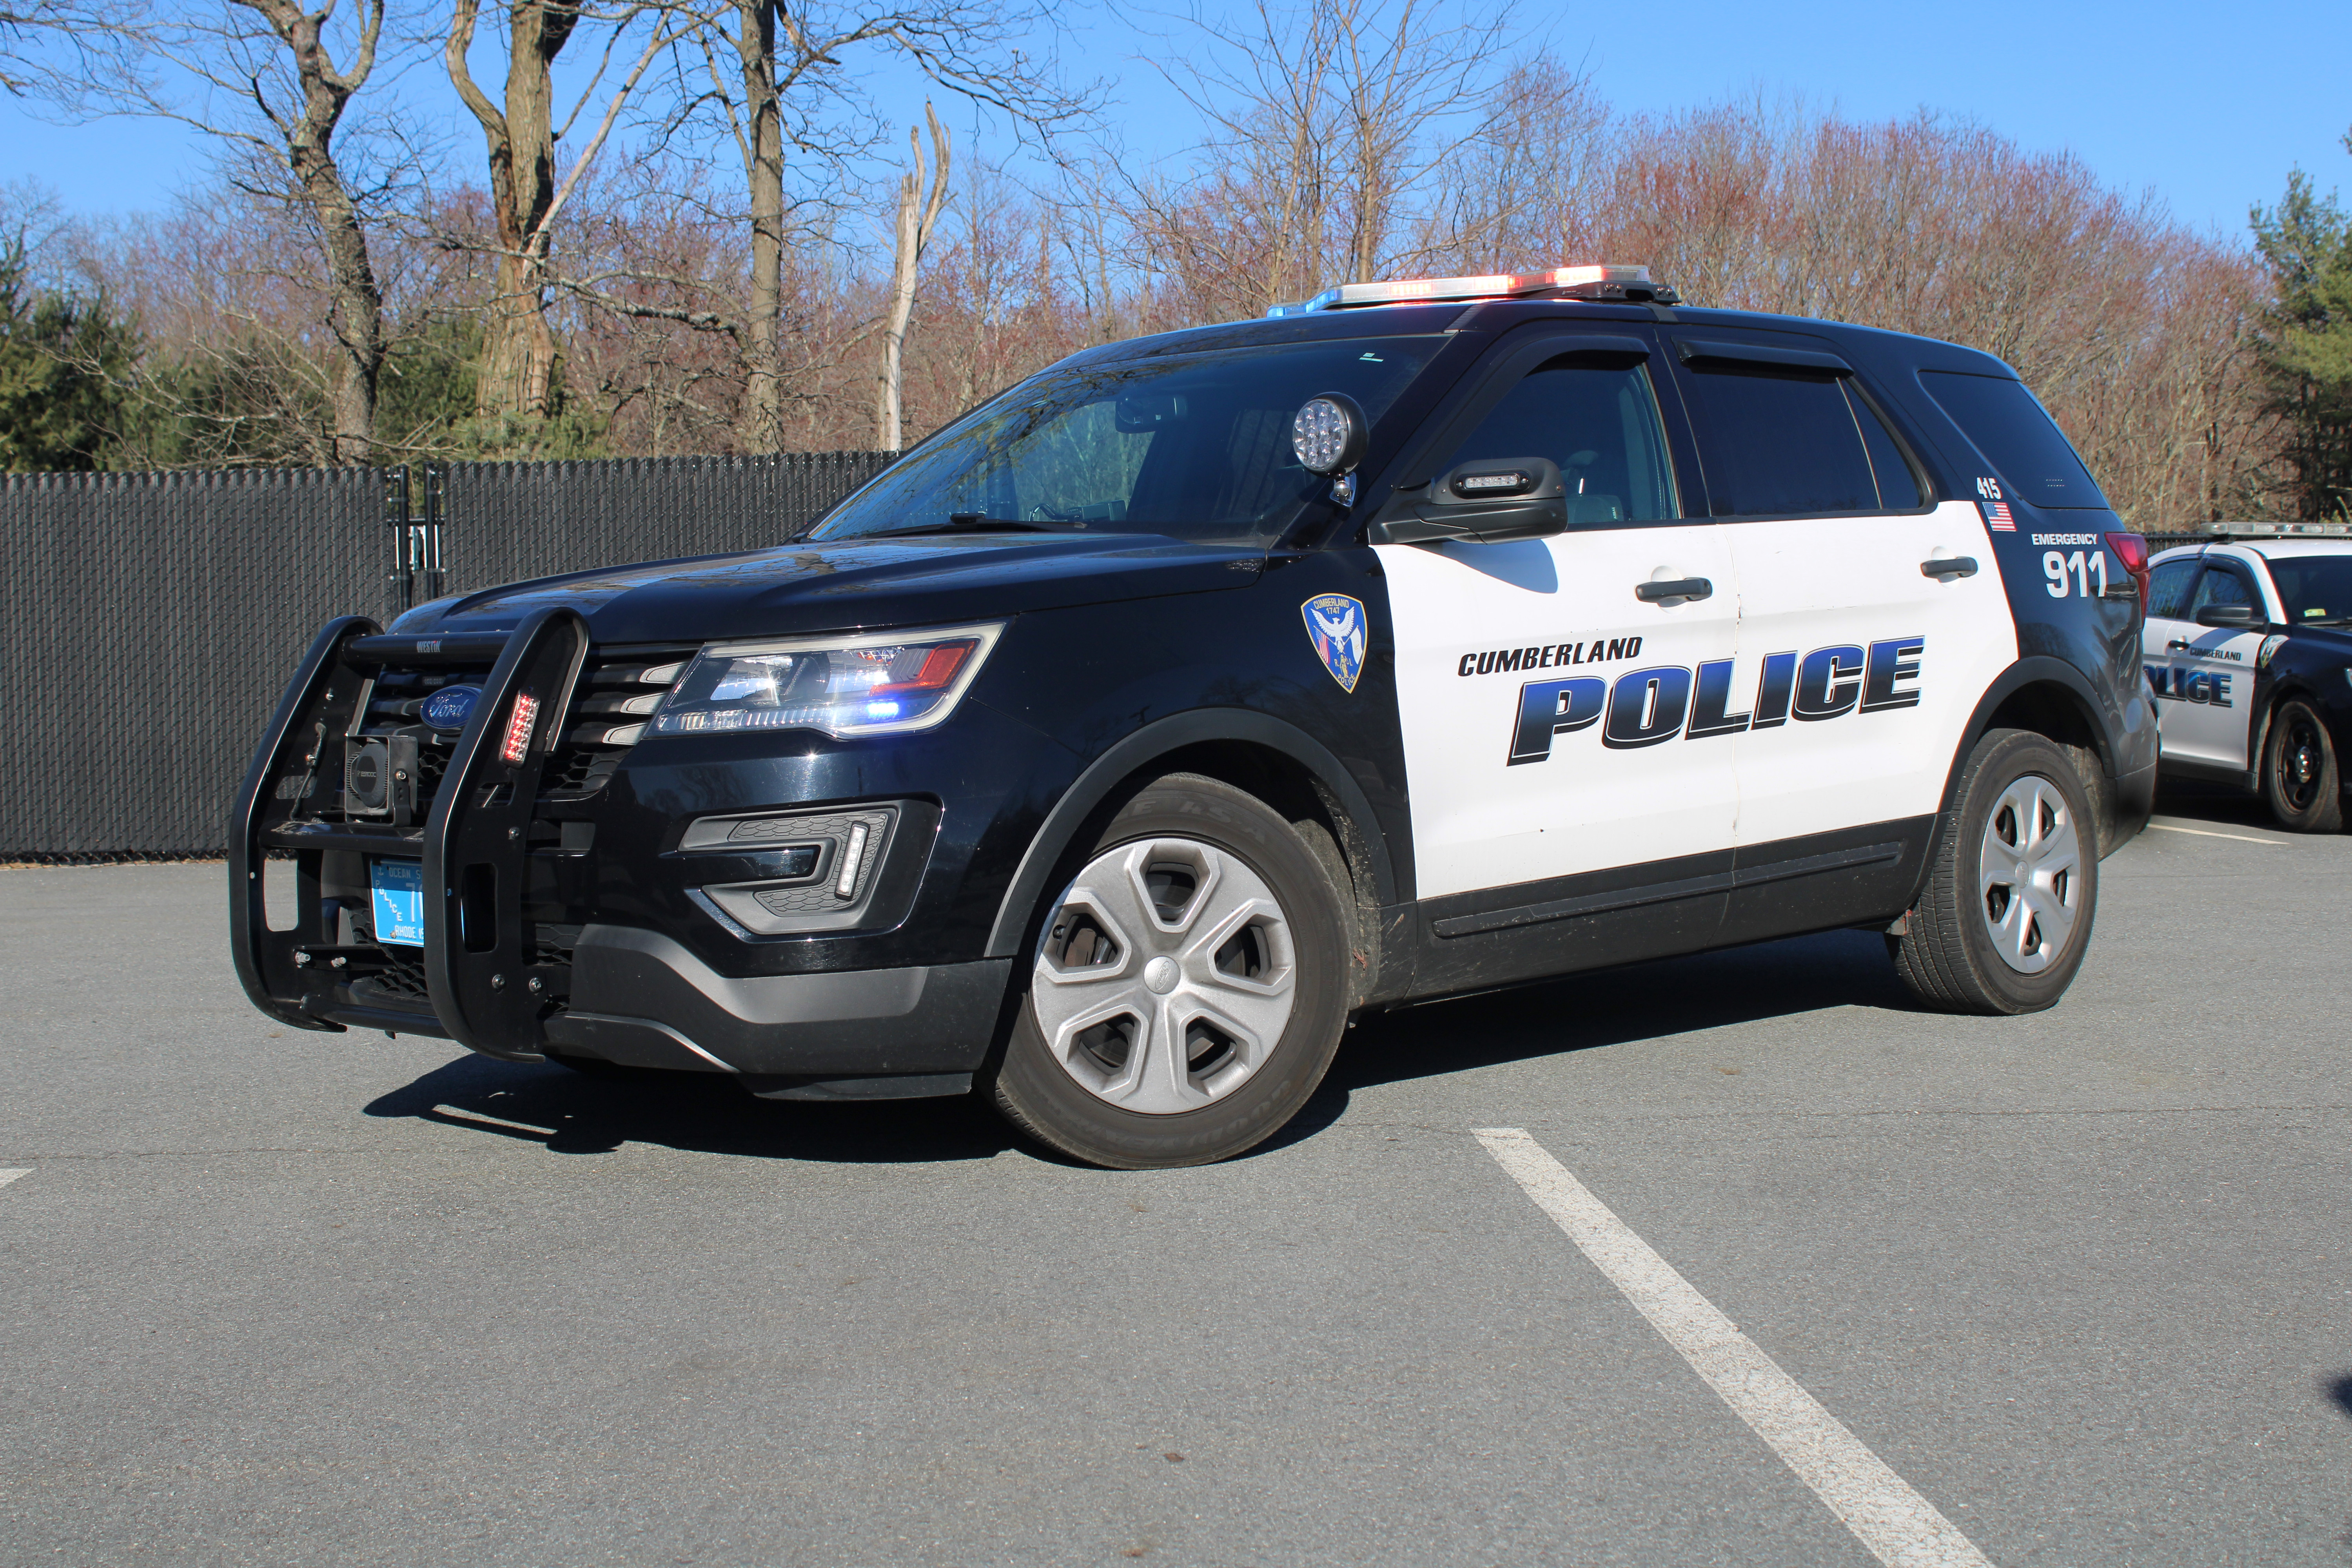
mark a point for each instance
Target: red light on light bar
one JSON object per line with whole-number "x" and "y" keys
{"x": 517, "y": 743}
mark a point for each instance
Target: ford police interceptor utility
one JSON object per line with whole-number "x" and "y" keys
{"x": 1113, "y": 747}
{"x": 2248, "y": 648}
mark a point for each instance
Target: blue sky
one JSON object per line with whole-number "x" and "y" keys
{"x": 2207, "y": 109}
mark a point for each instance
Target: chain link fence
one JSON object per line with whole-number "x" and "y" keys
{"x": 147, "y": 622}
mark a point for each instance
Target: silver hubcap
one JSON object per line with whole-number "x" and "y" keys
{"x": 2029, "y": 883}
{"x": 1166, "y": 976}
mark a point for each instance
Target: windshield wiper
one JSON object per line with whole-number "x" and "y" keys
{"x": 967, "y": 522}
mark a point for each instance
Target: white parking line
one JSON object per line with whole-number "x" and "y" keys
{"x": 8, "y": 1176}
{"x": 1901, "y": 1528}
{"x": 2208, "y": 833}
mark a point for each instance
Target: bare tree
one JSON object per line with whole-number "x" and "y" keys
{"x": 519, "y": 350}
{"x": 917, "y": 218}
{"x": 1325, "y": 123}
{"x": 272, "y": 82}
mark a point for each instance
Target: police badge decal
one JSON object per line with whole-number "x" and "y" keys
{"x": 1335, "y": 624}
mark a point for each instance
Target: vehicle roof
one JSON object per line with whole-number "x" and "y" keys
{"x": 1873, "y": 348}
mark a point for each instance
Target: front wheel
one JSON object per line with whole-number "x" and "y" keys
{"x": 2006, "y": 916}
{"x": 1188, "y": 988}
{"x": 2300, "y": 783}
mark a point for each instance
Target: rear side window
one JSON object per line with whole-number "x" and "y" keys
{"x": 1783, "y": 441}
{"x": 2017, "y": 436}
{"x": 2168, "y": 590}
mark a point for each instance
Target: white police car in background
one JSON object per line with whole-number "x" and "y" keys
{"x": 1111, "y": 749}
{"x": 2248, "y": 651}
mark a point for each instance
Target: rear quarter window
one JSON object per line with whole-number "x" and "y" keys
{"x": 2036, "y": 463}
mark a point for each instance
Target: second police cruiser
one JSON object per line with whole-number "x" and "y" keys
{"x": 2249, "y": 655}
{"x": 1111, "y": 749}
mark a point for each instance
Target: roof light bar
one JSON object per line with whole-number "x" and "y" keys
{"x": 1607, "y": 280}
{"x": 2290, "y": 529}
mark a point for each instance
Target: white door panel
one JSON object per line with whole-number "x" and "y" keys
{"x": 1540, "y": 648}
{"x": 1870, "y": 734}
{"x": 2203, "y": 678}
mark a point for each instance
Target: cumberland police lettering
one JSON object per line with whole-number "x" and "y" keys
{"x": 1548, "y": 656}
{"x": 1649, "y": 706}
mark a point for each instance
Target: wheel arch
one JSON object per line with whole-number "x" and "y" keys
{"x": 2052, "y": 699}
{"x": 1258, "y": 753}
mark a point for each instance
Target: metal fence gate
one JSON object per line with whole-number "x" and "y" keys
{"x": 149, "y": 621}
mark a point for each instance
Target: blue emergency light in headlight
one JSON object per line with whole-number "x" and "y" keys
{"x": 875, "y": 684}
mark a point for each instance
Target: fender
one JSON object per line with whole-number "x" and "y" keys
{"x": 1094, "y": 786}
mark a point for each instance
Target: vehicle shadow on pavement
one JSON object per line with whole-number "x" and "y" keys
{"x": 570, "y": 1113}
{"x": 2192, "y": 800}
{"x": 1607, "y": 1007}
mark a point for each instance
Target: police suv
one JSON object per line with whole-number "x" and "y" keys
{"x": 2248, "y": 655}
{"x": 1113, "y": 747}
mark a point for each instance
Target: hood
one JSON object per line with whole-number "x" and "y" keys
{"x": 854, "y": 584}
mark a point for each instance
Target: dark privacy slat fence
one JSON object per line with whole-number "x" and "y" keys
{"x": 147, "y": 622}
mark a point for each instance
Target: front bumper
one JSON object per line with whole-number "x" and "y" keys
{"x": 493, "y": 975}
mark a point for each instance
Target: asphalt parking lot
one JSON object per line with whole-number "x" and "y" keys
{"x": 2078, "y": 1281}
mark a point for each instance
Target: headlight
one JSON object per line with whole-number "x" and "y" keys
{"x": 880, "y": 683}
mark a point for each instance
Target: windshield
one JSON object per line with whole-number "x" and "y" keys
{"x": 2314, "y": 588}
{"x": 1195, "y": 445}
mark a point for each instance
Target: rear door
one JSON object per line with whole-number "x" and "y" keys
{"x": 1872, "y": 614}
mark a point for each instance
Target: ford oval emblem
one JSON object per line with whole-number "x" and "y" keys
{"x": 448, "y": 708}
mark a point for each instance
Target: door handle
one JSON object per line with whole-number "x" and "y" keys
{"x": 1674, "y": 591}
{"x": 2177, "y": 645}
{"x": 1943, "y": 568}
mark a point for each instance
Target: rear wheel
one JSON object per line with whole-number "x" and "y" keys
{"x": 2006, "y": 916}
{"x": 1187, "y": 989}
{"x": 2299, "y": 782}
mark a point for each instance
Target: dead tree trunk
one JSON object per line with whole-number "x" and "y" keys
{"x": 917, "y": 219}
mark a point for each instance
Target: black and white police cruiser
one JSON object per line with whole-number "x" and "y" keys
{"x": 2248, "y": 651}
{"x": 1115, "y": 746}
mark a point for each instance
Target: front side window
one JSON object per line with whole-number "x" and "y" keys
{"x": 1193, "y": 445}
{"x": 1780, "y": 440}
{"x": 2220, "y": 586}
{"x": 1600, "y": 424}
{"x": 2168, "y": 587}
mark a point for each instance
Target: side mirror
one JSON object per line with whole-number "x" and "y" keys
{"x": 1485, "y": 501}
{"x": 2238, "y": 617}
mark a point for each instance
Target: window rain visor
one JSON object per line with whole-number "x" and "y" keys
{"x": 875, "y": 684}
{"x": 1196, "y": 447}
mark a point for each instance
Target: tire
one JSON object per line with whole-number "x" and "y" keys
{"x": 2012, "y": 887}
{"x": 2300, "y": 781}
{"x": 1200, "y": 909}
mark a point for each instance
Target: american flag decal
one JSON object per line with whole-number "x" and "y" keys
{"x": 1997, "y": 518}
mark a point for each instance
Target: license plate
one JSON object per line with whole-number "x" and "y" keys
{"x": 399, "y": 888}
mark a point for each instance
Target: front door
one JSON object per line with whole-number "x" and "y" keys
{"x": 2203, "y": 676}
{"x": 1544, "y": 702}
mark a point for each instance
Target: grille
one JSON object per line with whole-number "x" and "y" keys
{"x": 617, "y": 696}
{"x": 392, "y": 717}
{"x": 402, "y": 976}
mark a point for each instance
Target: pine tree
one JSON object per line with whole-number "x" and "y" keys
{"x": 62, "y": 359}
{"x": 2305, "y": 344}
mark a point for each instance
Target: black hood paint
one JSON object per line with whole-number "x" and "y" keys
{"x": 853, "y": 584}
